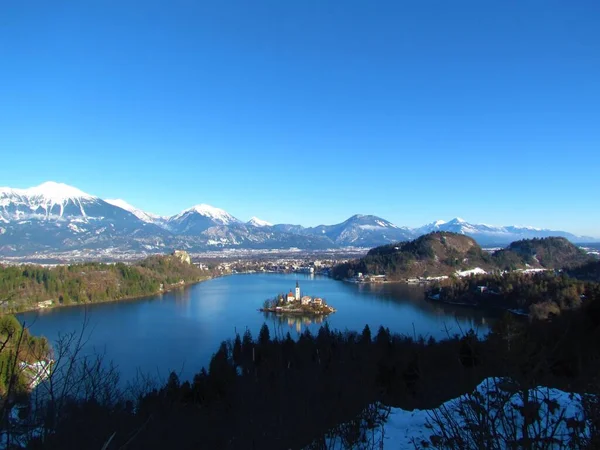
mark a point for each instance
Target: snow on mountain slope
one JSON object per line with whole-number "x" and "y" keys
{"x": 47, "y": 199}
{"x": 49, "y": 191}
{"x": 256, "y": 222}
{"x": 58, "y": 217}
{"x": 218, "y": 215}
{"x": 142, "y": 215}
{"x": 199, "y": 218}
{"x": 362, "y": 231}
{"x": 491, "y": 234}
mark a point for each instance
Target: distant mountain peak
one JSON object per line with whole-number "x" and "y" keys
{"x": 49, "y": 190}
{"x": 217, "y": 214}
{"x": 256, "y": 222}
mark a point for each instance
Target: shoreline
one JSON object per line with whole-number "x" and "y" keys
{"x": 411, "y": 283}
{"x": 114, "y": 300}
{"x": 480, "y": 306}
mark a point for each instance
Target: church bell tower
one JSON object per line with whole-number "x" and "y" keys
{"x": 297, "y": 292}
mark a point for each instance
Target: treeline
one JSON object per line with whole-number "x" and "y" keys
{"x": 443, "y": 253}
{"x": 21, "y": 287}
{"x": 541, "y": 294}
{"x": 273, "y": 393}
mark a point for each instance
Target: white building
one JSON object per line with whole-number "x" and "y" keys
{"x": 306, "y": 300}
{"x": 297, "y": 292}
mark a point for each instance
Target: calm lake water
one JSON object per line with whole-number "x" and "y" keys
{"x": 180, "y": 330}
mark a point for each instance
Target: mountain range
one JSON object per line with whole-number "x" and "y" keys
{"x": 54, "y": 217}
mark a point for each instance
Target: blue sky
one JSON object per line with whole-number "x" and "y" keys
{"x": 310, "y": 111}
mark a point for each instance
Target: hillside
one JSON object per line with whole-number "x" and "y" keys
{"x": 547, "y": 253}
{"x": 586, "y": 272}
{"x": 22, "y": 287}
{"x": 444, "y": 253}
{"x": 434, "y": 254}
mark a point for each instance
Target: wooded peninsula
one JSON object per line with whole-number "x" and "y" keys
{"x": 27, "y": 287}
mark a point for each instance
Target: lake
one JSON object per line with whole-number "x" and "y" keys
{"x": 181, "y": 329}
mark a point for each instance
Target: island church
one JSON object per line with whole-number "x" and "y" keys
{"x": 295, "y": 296}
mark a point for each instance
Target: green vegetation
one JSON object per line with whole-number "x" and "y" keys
{"x": 542, "y": 294}
{"x": 17, "y": 345}
{"x": 442, "y": 253}
{"x": 433, "y": 254}
{"x": 550, "y": 253}
{"x": 24, "y": 286}
{"x": 589, "y": 271}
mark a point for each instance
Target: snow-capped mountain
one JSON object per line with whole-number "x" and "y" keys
{"x": 142, "y": 215}
{"x": 362, "y": 231}
{"x": 495, "y": 235}
{"x": 47, "y": 200}
{"x": 199, "y": 218}
{"x": 256, "y": 222}
{"x": 55, "y": 217}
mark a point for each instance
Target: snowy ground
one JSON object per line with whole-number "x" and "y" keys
{"x": 494, "y": 409}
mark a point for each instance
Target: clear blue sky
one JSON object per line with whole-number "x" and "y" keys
{"x": 310, "y": 111}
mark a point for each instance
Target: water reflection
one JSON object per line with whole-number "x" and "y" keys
{"x": 185, "y": 327}
{"x": 283, "y": 323}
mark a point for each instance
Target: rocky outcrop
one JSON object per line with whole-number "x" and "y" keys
{"x": 183, "y": 256}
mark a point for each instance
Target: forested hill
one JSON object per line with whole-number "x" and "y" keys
{"x": 444, "y": 253}
{"x": 550, "y": 253}
{"x": 22, "y": 287}
{"x": 434, "y": 254}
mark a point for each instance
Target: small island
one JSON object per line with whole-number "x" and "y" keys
{"x": 295, "y": 303}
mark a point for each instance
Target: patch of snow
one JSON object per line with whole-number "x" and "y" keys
{"x": 532, "y": 270}
{"x": 75, "y": 228}
{"x": 371, "y": 227}
{"x": 404, "y": 428}
{"x": 417, "y": 429}
{"x": 475, "y": 271}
